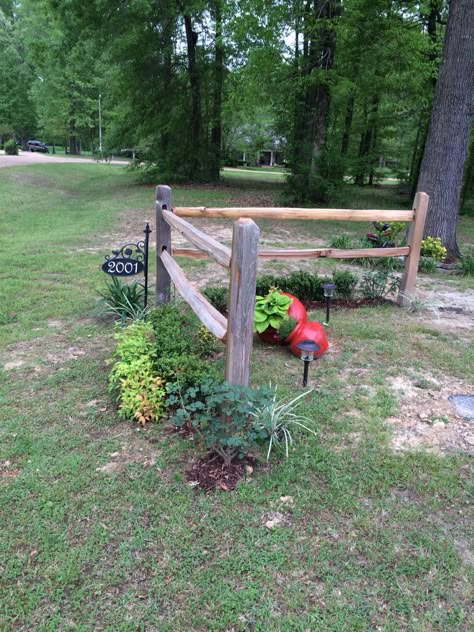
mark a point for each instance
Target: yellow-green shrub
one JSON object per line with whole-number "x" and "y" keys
{"x": 431, "y": 247}
{"x": 141, "y": 392}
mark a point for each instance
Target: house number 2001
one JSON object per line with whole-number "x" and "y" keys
{"x": 122, "y": 267}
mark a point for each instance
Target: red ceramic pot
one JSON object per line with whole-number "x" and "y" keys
{"x": 310, "y": 330}
{"x": 297, "y": 311}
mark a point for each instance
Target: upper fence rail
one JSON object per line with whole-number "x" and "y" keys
{"x": 256, "y": 212}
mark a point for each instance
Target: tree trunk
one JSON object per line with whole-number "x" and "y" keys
{"x": 72, "y": 137}
{"x": 194, "y": 80}
{"x": 446, "y": 146}
{"x": 347, "y": 125}
{"x": 216, "y": 130}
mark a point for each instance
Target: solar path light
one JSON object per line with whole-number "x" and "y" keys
{"x": 308, "y": 349}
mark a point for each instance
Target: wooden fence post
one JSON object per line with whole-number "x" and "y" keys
{"x": 163, "y": 242}
{"x": 415, "y": 235}
{"x": 243, "y": 275}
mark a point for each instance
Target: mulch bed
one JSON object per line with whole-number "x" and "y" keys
{"x": 210, "y": 473}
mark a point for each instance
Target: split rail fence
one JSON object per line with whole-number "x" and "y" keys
{"x": 241, "y": 260}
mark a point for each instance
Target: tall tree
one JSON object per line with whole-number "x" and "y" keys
{"x": 441, "y": 172}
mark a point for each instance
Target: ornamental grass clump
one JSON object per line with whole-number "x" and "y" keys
{"x": 277, "y": 418}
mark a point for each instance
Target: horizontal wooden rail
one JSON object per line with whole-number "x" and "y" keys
{"x": 213, "y": 248}
{"x": 313, "y": 253}
{"x": 357, "y": 215}
{"x": 215, "y": 322}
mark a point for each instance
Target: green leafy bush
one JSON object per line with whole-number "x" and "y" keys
{"x": 11, "y": 148}
{"x": 431, "y": 247}
{"x": 141, "y": 391}
{"x": 218, "y": 297}
{"x": 378, "y": 284}
{"x": 467, "y": 265}
{"x": 182, "y": 349}
{"x": 345, "y": 282}
{"x": 221, "y": 415}
{"x": 123, "y": 300}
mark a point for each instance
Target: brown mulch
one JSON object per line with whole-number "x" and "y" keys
{"x": 210, "y": 473}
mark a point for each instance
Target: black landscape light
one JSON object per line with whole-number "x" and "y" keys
{"x": 328, "y": 289}
{"x": 308, "y": 348}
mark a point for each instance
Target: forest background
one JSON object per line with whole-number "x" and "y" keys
{"x": 341, "y": 92}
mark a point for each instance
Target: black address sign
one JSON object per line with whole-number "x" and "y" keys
{"x": 123, "y": 267}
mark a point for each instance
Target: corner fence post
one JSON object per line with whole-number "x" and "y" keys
{"x": 163, "y": 242}
{"x": 243, "y": 276}
{"x": 415, "y": 235}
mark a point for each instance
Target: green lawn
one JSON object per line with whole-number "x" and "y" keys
{"x": 100, "y": 530}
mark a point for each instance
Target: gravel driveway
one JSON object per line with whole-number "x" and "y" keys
{"x": 33, "y": 158}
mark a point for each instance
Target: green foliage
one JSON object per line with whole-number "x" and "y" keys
{"x": 377, "y": 285}
{"x": 277, "y": 417}
{"x": 218, "y": 296}
{"x": 286, "y": 327}
{"x": 346, "y": 282}
{"x": 343, "y": 242}
{"x": 432, "y": 247}
{"x": 11, "y": 148}
{"x": 467, "y": 265}
{"x": 182, "y": 348}
{"x": 123, "y": 300}
{"x": 270, "y": 310}
{"x": 140, "y": 391}
{"x": 426, "y": 265}
{"x": 221, "y": 415}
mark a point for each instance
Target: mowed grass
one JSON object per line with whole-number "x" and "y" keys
{"x": 100, "y": 530}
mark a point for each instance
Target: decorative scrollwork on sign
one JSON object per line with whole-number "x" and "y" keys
{"x": 129, "y": 251}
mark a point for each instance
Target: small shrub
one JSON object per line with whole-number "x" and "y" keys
{"x": 265, "y": 283}
{"x": 426, "y": 265}
{"x": 346, "y": 283}
{"x": 431, "y": 247}
{"x": 467, "y": 265}
{"x": 286, "y": 327}
{"x": 377, "y": 285}
{"x": 123, "y": 300}
{"x": 11, "y": 148}
{"x": 181, "y": 347}
{"x": 218, "y": 297}
{"x": 141, "y": 392}
{"x": 343, "y": 242}
{"x": 221, "y": 415}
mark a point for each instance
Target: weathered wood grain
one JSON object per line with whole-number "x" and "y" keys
{"x": 163, "y": 242}
{"x": 243, "y": 274}
{"x": 415, "y": 235}
{"x": 308, "y": 253}
{"x": 358, "y": 215}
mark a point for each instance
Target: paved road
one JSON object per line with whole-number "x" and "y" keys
{"x": 34, "y": 158}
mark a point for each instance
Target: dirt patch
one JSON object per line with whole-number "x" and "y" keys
{"x": 426, "y": 419}
{"x": 48, "y": 352}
